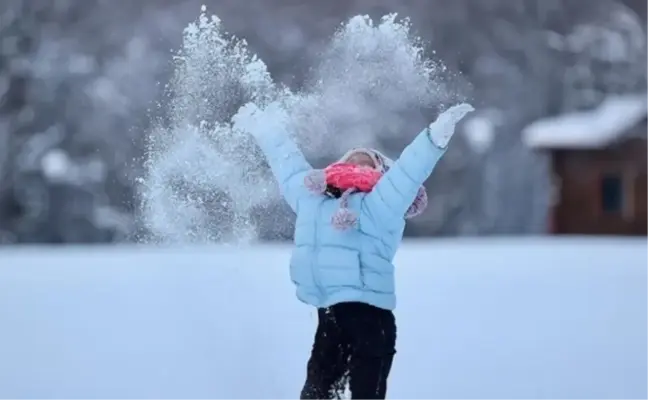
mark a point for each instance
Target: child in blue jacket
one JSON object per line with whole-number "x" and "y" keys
{"x": 345, "y": 242}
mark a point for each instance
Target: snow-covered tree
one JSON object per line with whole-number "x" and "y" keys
{"x": 77, "y": 80}
{"x": 76, "y": 86}
{"x": 602, "y": 55}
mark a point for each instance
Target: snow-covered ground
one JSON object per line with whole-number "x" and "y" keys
{"x": 502, "y": 318}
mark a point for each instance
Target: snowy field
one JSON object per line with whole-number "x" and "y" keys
{"x": 503, "y": 318}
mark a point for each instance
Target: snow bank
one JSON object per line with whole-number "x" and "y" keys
{"x": 539, "y": 318}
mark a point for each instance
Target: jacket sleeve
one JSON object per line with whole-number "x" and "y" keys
{"x": 397, "y": 189}
{"x": 288, "y": 165}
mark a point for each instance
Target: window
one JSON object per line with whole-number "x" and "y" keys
{"x": 612, "y": 196}
{"x": 616, "y": 193}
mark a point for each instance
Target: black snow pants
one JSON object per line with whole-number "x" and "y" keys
{"x": 354, "y": 343}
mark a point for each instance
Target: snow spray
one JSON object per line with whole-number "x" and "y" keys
{"x": 206, "y": 180}
{"x": 368, "y": 84}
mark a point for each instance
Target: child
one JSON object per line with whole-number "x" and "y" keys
{"x": 350, "y": 222}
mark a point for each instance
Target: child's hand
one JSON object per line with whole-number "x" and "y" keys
{"x": 247, "y": 118}
{"x": 441, "y": 130}
{"x": 252, "y": 119}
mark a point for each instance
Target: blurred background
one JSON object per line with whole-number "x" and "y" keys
{"x": 557, "y": 146}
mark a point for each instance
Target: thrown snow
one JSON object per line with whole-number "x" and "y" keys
{"x": 588, "y": 129}
{"x": 196, "y": 162}
{"x": 364, "y": 85}
{"x": 501, "y": 318}
{"x": 378, "y": 68}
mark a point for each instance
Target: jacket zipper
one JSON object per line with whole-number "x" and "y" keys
{"x": 314, "y": 268}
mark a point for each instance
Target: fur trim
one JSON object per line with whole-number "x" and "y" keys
{"x": 419, "y": 205}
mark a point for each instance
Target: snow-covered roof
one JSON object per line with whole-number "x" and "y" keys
{"x": 588, "y": 129}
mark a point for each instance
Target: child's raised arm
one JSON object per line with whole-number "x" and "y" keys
{"x": 397, "y": 189}
{"x": 269, "y": 127}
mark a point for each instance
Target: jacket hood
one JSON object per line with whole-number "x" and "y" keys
{"x": 381, "y": 161}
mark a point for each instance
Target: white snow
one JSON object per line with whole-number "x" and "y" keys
{"x": 480, "y": 130}
{"x": 56, "y": 164}
{"x": 618, "y": 36}
{"x": 500, "y": 318}
{"x": 588, "y": 129}
{"x": 377, "y": 67}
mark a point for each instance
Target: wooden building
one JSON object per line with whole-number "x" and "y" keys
{"x": 598, "y": 167}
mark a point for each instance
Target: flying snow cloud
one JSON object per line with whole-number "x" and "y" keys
{"x": 205, "y": 178}
{"x": 367, "y": 84}
{"x": 200, "y": 171}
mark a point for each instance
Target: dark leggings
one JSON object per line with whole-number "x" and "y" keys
{"x": 354, "y": 342}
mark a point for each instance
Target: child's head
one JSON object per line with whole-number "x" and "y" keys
{"x": 364, "y": 157}
{"x": 340, "y": 180}
{"x": 361, "y": 159}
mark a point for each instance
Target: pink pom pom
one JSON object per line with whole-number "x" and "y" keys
{"x": 316, "y": 181}
{"x": 419, "y": 204}
{"x": 344, "y": 219}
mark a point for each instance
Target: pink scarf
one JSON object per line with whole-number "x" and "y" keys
{"x": 345, "y": 176}
{"x": 346, "y": 179}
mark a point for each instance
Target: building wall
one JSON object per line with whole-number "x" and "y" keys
{"x": 601, "y": 191}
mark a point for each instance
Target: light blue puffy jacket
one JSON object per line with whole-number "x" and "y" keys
{"x": 329, "y": 265}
